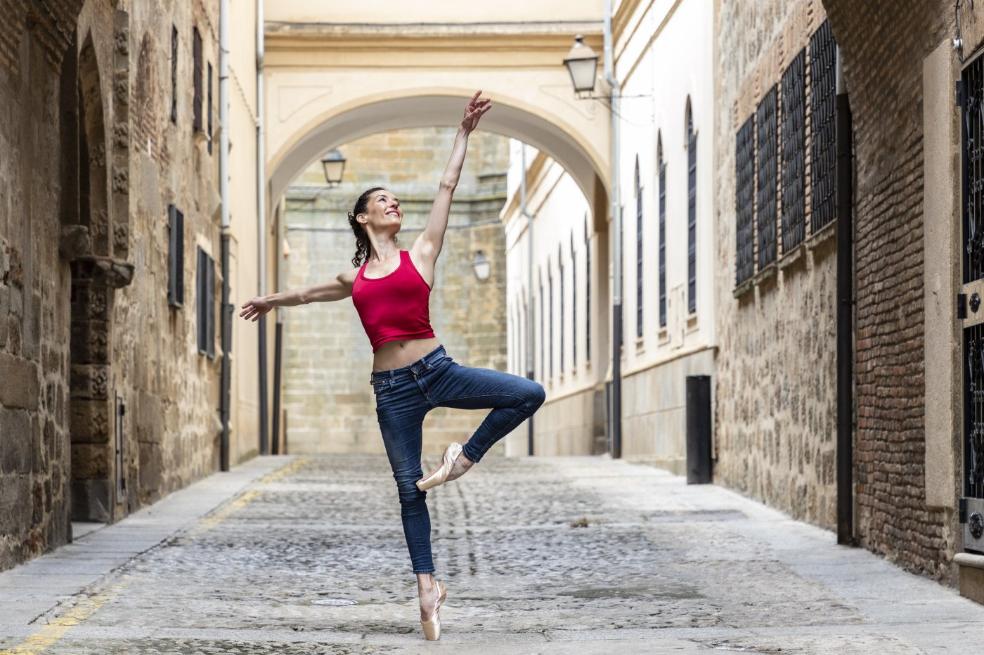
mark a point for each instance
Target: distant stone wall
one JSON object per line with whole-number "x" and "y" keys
{"x": 328, "y": 359}
{"x": 776, "y": 383}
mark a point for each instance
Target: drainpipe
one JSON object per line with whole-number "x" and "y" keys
{"x": 845, "y": 313}
{"x": 226, "y": 316}
{"x": 261, "y": 228}
{"x": 616, "y": 210}
{"x": 529, "y": 287}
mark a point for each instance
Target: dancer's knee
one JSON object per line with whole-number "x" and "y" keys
{"x": 410, "y": 495}
{"x": 534, "y": 397}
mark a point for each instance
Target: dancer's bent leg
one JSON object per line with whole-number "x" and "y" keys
{"x": 512, "y": 398}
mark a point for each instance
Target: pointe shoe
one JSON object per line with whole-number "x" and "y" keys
{"x": 432, "y": 626}
{"x": 441, "y": 474}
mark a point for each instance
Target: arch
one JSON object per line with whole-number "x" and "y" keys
{"x": 435, "y": 108}
{"x": 688, "y": 121}
{"x": 94, "y": 208}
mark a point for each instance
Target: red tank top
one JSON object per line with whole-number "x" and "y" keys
{"x": 395, "y": 306}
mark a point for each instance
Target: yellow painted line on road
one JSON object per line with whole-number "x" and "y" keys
{"x": 56, "y": 628}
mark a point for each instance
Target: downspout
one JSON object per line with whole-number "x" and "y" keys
{"x": 616, "y": 211}
{"x": 529, "y": 287}
{"x": 261, "y": 214}
{"x": 845, "y": 313}
{"x": 226, "y": 314}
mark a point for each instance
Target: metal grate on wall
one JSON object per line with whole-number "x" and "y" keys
{"x": 745, "y": 201}
{"x": 765, "y": 197}
{"x": 691, "y": 215}
{"x": 662, "y": 239}
{"x": 823, "y": 93}
{"x": 793, "y": 152}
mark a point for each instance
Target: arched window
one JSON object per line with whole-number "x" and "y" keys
{"x": 691, "y": 212}
{"x": 661, "y": 168}
{"x": 639, "y": 267}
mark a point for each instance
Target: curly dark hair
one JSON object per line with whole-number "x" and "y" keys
{"x": 362, "y": 245}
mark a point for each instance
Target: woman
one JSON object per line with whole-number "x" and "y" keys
{"x": 411, "y": 372}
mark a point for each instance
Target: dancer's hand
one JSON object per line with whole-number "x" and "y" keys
{"x": 474, "y": 110}
{"x": 255, "y": 308}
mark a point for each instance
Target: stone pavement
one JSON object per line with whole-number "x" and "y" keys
{"x": 544, "y": 555}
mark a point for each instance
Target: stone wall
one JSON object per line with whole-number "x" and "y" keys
{"x": 328, "y": 359}
{"x": 106, "y": 403}
{"x": 775, "y": 420}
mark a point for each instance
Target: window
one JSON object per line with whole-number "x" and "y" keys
{"x": 573, "y": 304}
{"x": 745, "y": 201}
{"x": 560, "y": 303}
{"x": 793, "y": 153}
{"x": 543, "y": 334}
{"x": 662, "y": 230}
{"x": 550, "y": 330}
{"x": 822, "y": 105}
{"x": 206, "y": 304}
{"x": 765, "y": 197}
{"x": 175, "y": 258}
{"x": 174, "y": 74}
{"x": 639, "y": 267}
{"x": 587, "y": 291}
{"x": 210, "y": 109}
{"x": 691, "y": 212}
{"x": 196, "y": 53}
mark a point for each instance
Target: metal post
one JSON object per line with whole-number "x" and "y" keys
{"x": 226, "y": 328}
{"x": 845, "y": 313}
{"x": 261, "y": 216}
{"x": 529, "y": 287}
{"x": 616, "y": 211}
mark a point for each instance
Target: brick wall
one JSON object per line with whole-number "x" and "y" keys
{"x": 883, "y": 72}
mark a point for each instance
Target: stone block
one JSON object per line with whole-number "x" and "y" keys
{"x": 971, "y": 576}
{"x": 89, "y": 381}
{"x": 90, "y": 421}
{"x": 90, "y": 461}
{"x": 20, "y": 387}
{"x": 90, "y": 342}
{"x": 15, "y": 505}
{"x": 16, "y": 441}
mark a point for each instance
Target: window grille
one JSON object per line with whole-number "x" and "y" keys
{"x": 573, "y": 304}
{"x": 822, "y": 105}
{"x": 210, "y": 108}
{"x": 639, "y": 251}
{"x": 550, "y": 323}
{"x": 587, "y": 292}
{"x": 745, "y": 201}
{"x": 793, "y": 153}
{"x": 765, "y": 215}
{"x": 560, "y": 304}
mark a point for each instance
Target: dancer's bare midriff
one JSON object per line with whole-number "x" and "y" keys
{"x": 397, "y": 354}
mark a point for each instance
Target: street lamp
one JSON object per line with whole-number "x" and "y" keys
{"x": 334, "y": 165}
{"x": 582, "y": 64}
{"x": 482, "y": 266}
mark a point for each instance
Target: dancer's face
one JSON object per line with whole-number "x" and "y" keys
{"x": 383, "y": 211}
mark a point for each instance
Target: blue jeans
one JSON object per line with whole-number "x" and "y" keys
{"x": 405, "y": 395}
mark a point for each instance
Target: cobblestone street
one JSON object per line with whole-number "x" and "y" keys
{"x": 544, "y": 555}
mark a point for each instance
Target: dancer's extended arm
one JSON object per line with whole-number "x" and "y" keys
{"x": 428, "y": 245}
{"x": 340, "y": 287}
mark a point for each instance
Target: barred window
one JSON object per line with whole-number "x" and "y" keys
{"x": 765, "y": 214}
{"x": 691, "y": 212}
{"x": 822, "y": 108}
{"x": 793, "y": 153}
{"x": 196, "y": 53}
{"x": 662, "y": 229}
{"x": 543, "y": 334}
{"x": 206, "y": 304}
{"x": 175, "y": 257}
{"x": 745, "y": 201}
{"x": 550, "y": 323}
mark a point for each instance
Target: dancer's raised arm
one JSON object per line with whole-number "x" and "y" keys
{"x": 428, "y": 245}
